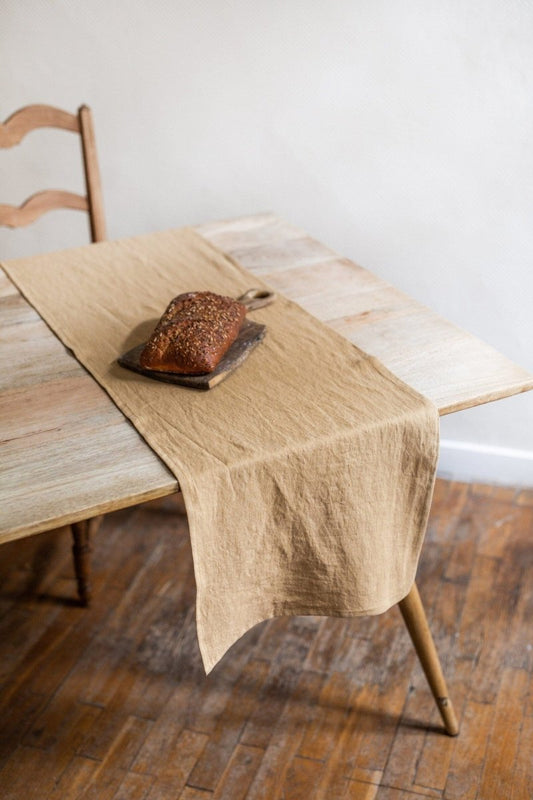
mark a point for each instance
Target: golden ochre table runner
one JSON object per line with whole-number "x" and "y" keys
{"x": 307, "y": 475}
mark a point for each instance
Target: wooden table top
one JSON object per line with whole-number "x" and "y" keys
{"x": 67, "y": 453}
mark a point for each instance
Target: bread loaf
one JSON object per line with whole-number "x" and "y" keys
{"x": 193, "y": 334}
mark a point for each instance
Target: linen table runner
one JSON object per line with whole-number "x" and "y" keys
{"x": 307, "y": 475}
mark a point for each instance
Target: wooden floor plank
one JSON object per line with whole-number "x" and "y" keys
{"x": 359, "y": 790}
{"x": 409, "y": 740}
{"x": 331, "y": 710}
{"x": 465, "y": 770}
{"x": 31, "y": 774}
{"x": 302, "y": 779}
{"x": 239, "y": 773}
{"x": 522, "y": 788}
{"x": 16, "y": 719}
{"x": 169, "y": 752}
{"x": 76, "y": 777}
{"x": 434, "y": 763}
{"x": 225, "y": 738}
{"x": 392, "y": 793}
{"x": 287, "y": 735}
{"x": 280, "y": 682}
{"x": 190, "y": 793}
{"x": 114, "y": 768}
{"x": 502, "y": 750}
{"x": 174, "y": 763}
{"x": 134, "y": 787}
{"x": 348, "y": 742}
{"x": 112, "y": 703}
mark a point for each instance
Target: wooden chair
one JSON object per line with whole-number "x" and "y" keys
{"x": 12, "y": 131}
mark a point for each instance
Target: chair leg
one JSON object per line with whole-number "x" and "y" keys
{"x": 415, "y": 619}
{"x": 81, "y": 550}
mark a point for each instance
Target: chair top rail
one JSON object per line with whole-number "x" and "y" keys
{"x": 27, "y": 119}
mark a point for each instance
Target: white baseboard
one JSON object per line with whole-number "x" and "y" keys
{"x": 475, "y": 463}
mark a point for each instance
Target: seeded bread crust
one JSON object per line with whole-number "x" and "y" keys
{"x": 194, "y": 333}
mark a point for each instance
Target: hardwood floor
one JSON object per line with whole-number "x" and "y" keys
{"x": 111, "y": 702}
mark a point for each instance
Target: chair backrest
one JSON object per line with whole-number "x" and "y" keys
{"x": 27, "y": 119}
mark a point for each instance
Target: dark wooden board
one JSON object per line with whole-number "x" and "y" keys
{"x": 249, "y": 337}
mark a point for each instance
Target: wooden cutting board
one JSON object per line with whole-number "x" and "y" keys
{"x": 250, "y": 334}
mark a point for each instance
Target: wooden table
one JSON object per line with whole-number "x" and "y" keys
{"x": 68, "y": 454}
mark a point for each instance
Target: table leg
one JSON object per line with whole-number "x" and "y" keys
{"x": 415, "y": 619}
{"x": 81, "y": 550}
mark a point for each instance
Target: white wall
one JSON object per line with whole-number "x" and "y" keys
{"x": 400, "y": 133}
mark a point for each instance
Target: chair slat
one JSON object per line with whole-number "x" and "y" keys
{"x": 27, "y": 119}
{"x": 38, "y": 204}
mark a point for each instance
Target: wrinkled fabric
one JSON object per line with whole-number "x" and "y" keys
{"x": 307, "y": 475}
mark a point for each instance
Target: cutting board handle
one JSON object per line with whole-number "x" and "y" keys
{"x": 256, "y": 298}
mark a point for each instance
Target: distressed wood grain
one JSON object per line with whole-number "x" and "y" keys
{"x": 81, "y": 458}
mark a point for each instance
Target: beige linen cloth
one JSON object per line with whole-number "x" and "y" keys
{"x": 307, "y": 475}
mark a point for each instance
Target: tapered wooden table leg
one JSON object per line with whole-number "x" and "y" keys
{"x": 415, "y": 619}
{"x": 81, "y": 551}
